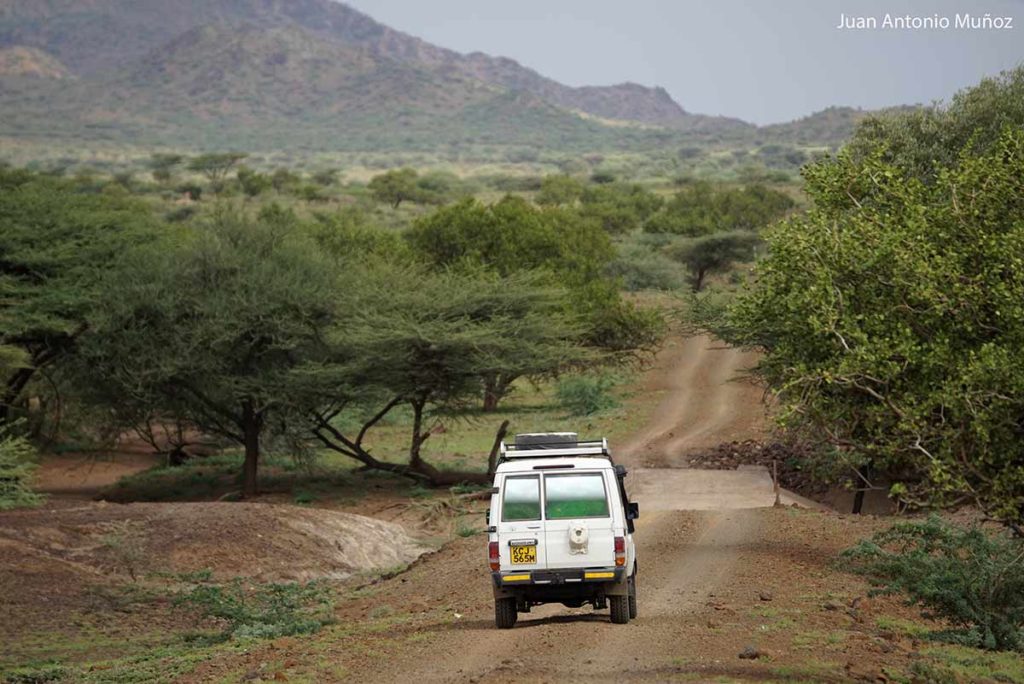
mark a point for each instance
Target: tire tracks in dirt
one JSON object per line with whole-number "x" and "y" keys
{"x": 708, "y": 400}
{"x": 684, "y": 558}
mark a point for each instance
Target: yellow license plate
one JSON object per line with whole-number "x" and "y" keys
{"x": 524, "y": 555}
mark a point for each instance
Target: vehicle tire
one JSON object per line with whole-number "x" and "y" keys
{"x": 505, "y": 614}
{"x": 620, "y": 609}
{"x": 632, "y": 597}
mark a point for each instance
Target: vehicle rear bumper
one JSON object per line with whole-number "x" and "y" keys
{"x": 537, "y": 584}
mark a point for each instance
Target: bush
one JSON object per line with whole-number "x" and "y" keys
{"x": 583, "y": 395}
{"x": 193, "y": 190}
{"x": 180, "y": 215}
{"x": 973, "y": 579}
{"x": 17, "y": 456}
{"x": 266, "y": 612}
{"x": 640, "y": 268}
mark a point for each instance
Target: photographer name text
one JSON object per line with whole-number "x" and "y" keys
{"x": 932, "y": 22}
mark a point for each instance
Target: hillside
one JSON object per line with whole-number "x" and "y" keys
{"x": 20, "y": 61}
{"x": 314, "y": 75}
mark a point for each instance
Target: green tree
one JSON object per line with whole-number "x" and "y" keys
{"x": 891, "y": 316}
{"x": 513, "y": 236}
{"x": 283, "y": 179}
{"x": 702, "y": 209}
{"x": 713, "y": 254}
{"x": 395, "y": 186}
{"x": 253, "y": 183}
{"x": 56, "y": 245}
{"x": 216, "y": 166}
{"x": 326, "y": 177}
{"x": 216, "y": 329}
{"x": 618, "y": 207}
{"x": 428, "y": 340}
{"x": 162, "y": 166}
{"x": 559, "y": 189}
{"x": 923, "y": 141}
{"x": 509, "y": 236}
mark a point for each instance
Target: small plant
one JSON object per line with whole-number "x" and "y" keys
{"x": 125, "y": 544}
{"x": 266, "y": 611}
{"x": 467, "y": 531}
{"x": 17, "y": 466}
{"x": 583, "y": 395}
{"x": 40, "y": 674}
{"x": 305, "y": 498}
{"x": 973, "y": 579}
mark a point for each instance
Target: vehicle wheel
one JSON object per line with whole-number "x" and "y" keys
{"x": 620, "y": 609}
{"x": 505, "y": 613}
{"x": 632, "y": 597}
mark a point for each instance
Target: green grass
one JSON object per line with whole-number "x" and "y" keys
{"x": 954, "y": 664}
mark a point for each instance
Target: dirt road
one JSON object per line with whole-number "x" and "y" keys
{"x": 707, "y": 400}
{"x": 721, "y": 572}
{"x": 684, "y": 557}
{"x": 683, "y": 560}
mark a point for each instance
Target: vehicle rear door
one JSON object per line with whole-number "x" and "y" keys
{"x": 521, "y": 542}
{"x": 579, "y": 499}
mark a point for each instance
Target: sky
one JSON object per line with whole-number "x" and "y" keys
{"x": 764, "y": 61}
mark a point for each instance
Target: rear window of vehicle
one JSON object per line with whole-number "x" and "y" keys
{"x": 575, "y": 496}
{"x": 521, "y": 500}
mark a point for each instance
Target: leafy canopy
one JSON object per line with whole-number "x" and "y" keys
{"x": 892, "y": 315}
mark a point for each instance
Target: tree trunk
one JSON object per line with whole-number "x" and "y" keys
{"x": 492, "y": 459}
{"x": 15, "y": 385}
{"x": 698, "y": 282}
{"x": 862, "y": 485}
{"x": 415, "y": 460}
{"x": 252, "y": 425}
{"x": 495, "y": 388}
{"x": 490, "y": 395}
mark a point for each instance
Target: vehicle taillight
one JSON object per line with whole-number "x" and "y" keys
{"x": 620, "y": 550}
{"x": 494, "y": 557}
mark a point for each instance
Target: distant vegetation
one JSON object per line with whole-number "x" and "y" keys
{"x": 282, "y": 309}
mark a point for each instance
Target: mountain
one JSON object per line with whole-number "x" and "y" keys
{"x": 99, "y": 35}
{"x": 18, "y": 61}
{"x": 308, "y": 73}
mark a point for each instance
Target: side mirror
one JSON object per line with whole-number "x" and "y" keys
{"x": 632, "y": 511}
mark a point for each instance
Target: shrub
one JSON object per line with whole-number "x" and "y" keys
{"x": 180, "y": 215}
{"x": 640, "y": 268}
{"x": 193, "y": 190}
{"x": 973, "y": 579}
{"x": 265, "y": 612}
{"x": 17, "y": 456}
{"x": 583, "y": 395}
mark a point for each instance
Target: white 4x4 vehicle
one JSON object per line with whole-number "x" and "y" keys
{"x": 560, "y": 528}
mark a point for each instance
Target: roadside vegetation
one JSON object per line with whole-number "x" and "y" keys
{"x": 889, "y": 318}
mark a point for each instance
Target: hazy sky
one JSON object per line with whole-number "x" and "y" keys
{"x": 761, "y": 60}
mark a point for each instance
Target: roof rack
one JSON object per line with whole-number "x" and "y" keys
{"x": 553, "y": 445}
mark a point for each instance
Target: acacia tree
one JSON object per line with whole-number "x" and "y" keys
{"x": 892, "y": 315}
{"x": 216, "y": 166}
{"x": 162, "y": 165}
{"x": 56, "y": 243}
{"x": 425, "y": 340}
{"x": 514, "y": 237}
{"x": 395, "y": 186}
{"x": 215, "y": 329}
{"x": 713, "y": 254}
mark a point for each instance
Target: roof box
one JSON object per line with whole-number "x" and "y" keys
{"x": 542, "y": 440}
{"x": 550, "y": 444}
